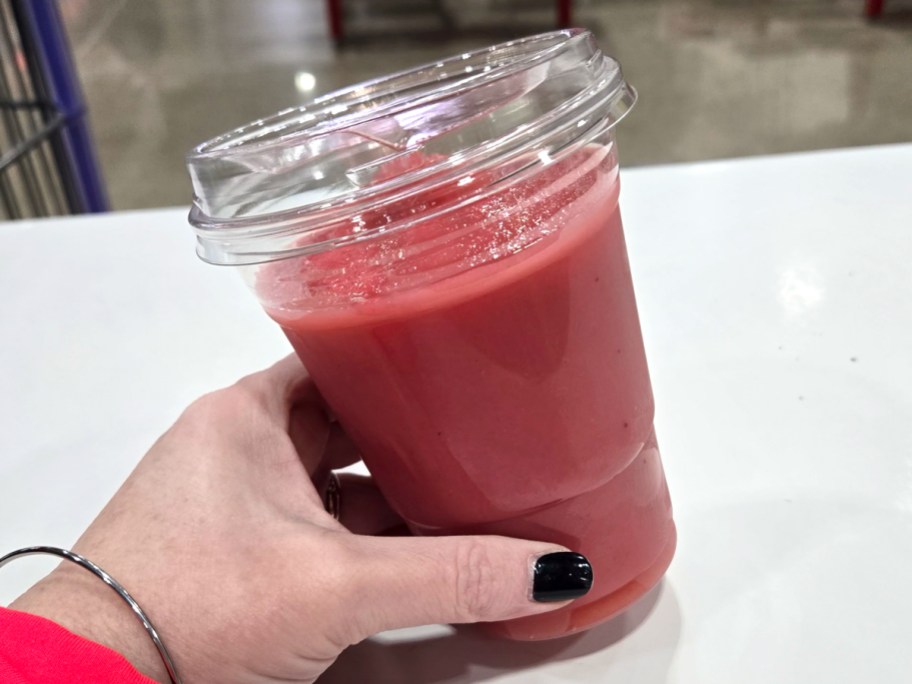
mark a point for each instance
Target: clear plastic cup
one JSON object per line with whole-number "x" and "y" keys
{"x": 443, "y": 248}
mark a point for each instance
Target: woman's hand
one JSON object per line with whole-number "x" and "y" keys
{"x": 221, "y": 535}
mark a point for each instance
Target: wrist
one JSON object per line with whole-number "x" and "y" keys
{"x": 84, "y": 605}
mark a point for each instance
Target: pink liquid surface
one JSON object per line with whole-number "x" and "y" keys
{"x": 490, "y": 367}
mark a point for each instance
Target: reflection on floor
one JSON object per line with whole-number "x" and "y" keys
{"x": 717, "y": 78}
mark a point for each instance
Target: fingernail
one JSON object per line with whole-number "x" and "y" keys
{"x": 561, "y": 576}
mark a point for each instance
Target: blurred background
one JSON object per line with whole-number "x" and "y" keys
{"x": 717, "y": 78}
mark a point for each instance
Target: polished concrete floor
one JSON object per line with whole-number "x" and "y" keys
{"x": 717, "y": 78}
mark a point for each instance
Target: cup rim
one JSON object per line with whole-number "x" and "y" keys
{"x": 257, "y": 237}
{"x": 224, "y": 143}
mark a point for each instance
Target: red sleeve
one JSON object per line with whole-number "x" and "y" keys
{"x": 35, "y": 650}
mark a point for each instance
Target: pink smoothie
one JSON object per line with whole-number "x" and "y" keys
{"x": 489, "y": 365}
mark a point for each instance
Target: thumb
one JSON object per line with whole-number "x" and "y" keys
{"x": 411, "y": 581}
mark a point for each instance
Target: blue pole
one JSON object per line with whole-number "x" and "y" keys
{"x": 56, "y": 64}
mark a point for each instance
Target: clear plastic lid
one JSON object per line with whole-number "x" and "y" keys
{"x": 298, "y": 182}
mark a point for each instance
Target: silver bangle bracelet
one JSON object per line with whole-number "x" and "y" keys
{"x": 111, "y": 582}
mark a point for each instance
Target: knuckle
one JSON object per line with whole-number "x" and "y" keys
{"x": 226, "y": 405}
{"x": 210, "y": 408}
{"x": 209, "y": 415}
{"x": 337, "y": 580}
{"x": 475, "y": 582}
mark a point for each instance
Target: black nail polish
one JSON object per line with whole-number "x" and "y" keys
{"x": 561, "y": 576}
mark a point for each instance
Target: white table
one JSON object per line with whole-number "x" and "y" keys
{"x": 776, "y": 301}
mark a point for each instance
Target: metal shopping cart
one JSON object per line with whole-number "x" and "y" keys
{"x": 47, "y": 161}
